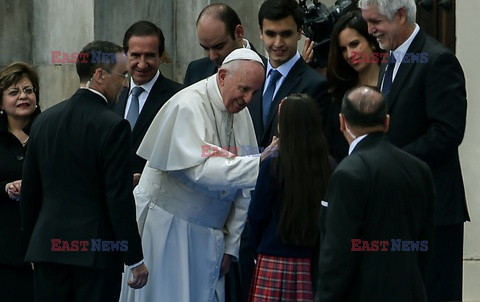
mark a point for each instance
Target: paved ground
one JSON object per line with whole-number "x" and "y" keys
{"x": 471, "y": 281}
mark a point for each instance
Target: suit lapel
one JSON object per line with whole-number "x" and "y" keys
{"x": 120, "y": 107}
{"x": 150, "y": 108}
{"x": 381, "y": 73}
{"x": 211, "y": 69}
{"x": 404, "y": 69}
{"x": 291, "y": 81}
{"x": 255, "y": 107}
{"x": 204, "y": 69}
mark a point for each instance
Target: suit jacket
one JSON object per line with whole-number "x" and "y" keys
{"x": 301, "y": 79}
{"x": 77, "y": 184}
{"x": 162, "y": 91}
{"x": 427, "y": 104}
{"x": 202, "y": 68}
{"x": 379, "y": 192}
{"x": 198, "y": 70}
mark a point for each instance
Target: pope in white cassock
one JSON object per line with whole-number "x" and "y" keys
{"x": 193, "y": 195}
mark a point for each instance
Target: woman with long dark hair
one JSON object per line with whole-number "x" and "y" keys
{"x": 284, "y": 211}
{"x": 354, "y": 60}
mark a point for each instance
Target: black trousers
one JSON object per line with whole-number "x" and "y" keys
{"x": 445, "y": 271}
{"x": 239, "y": 277}
{"x": 16, "y": 283}
{"x": 61, "y": 282}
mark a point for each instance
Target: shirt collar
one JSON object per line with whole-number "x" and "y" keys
{"x": 401, "y": 50}
{"x": 147, "y": 86}
{"x": 96, "y": 92}
{"x": 246, "y": 44}
{"x": 284, "y": 69}
{"x": 355, "y": 143}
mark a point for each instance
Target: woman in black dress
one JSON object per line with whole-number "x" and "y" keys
{"x": 19, "y": 89}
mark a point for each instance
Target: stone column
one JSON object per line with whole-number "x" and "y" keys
{"x": 59, "y": 26}
{"x": 16, "y": 24}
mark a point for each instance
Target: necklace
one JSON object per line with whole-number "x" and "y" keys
{"x": 230, "y": 134}
{"x": 20, "y": 135}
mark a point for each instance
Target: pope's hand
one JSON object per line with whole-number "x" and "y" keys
{"x": 140, "y": 276}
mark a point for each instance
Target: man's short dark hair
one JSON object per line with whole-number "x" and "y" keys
{"x": 85, "y": 70}
{"x": 364, "y": 106}
{"x": 224, "y": 13}
{"x": 145, "y": 28}
{"x": 281, "y": 9}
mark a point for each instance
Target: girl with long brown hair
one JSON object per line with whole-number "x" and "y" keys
{"x": 284, "y": 211}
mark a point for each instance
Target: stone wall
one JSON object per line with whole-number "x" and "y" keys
{"x": 32, "y": 29}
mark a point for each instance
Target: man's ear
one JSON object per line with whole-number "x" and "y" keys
{"x": 99, "y": 75}
{"x": 401, "y": 14}
{"x": 386, "y": 123}
{"x": 239, "y": 32}
{"x": 222, "y": 74}
{"x": 341, "y": 118}
{"x": 299, "y": 32}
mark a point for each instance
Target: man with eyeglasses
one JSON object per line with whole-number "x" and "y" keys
{"x": 77, "y": 191}
{"x": 148, "y": 89}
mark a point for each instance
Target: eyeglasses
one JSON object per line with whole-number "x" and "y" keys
{"x": 27, "y": 90}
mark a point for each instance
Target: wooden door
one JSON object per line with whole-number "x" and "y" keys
{"x": 437, "y": 18}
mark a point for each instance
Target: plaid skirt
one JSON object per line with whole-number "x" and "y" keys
{"x": 281, "y": 279}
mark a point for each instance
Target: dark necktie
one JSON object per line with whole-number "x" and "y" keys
{"x": 267, "y": 99}
{"x": 133, "y": 111}
{"x": 388, "y": 76}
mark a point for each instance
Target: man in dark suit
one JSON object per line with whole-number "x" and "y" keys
{"x": 425, "y": 89}
{"x": 378, "y": 207}
{"x": 280, "y": 29}
{"x": 78, "y": 211}
{"x": 144, "y": 43}
{"x": 219, "y": 32}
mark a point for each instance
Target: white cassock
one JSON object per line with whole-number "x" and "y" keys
{"x": 191, "y": 201}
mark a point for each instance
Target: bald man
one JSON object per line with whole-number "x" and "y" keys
{"x": 376, "y": 221}
{"x": 219, "y": 32}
